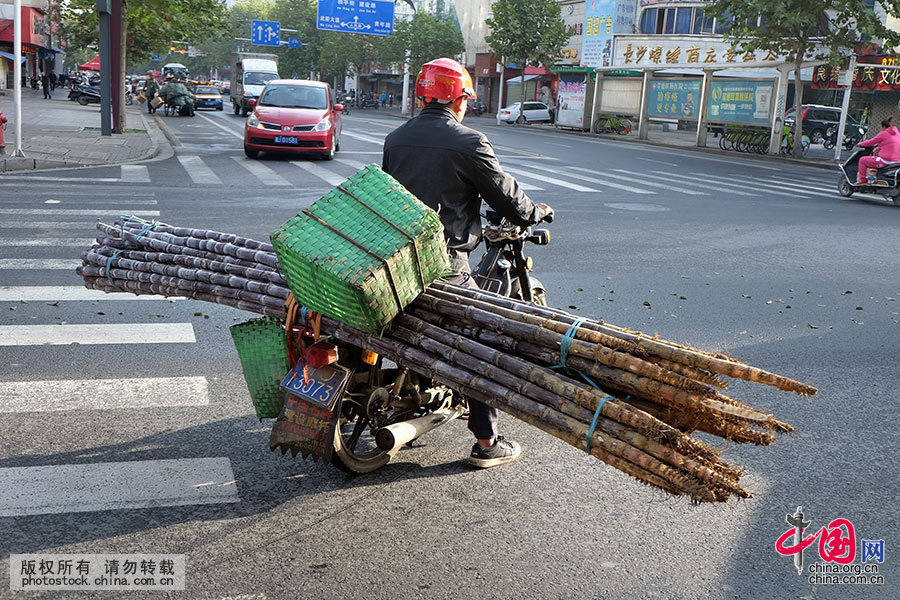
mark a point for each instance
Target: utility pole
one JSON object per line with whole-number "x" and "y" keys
{"x": 103, "y": 10}
{"x": 17, "y": 73}
{"x": 115, "y": 65}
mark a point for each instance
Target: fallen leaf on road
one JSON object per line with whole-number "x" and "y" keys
{"x": 811, "y": 326}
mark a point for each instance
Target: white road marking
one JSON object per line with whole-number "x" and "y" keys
{"x": 53, "y": 489}
{"x": 261, "y": 171}
{"x": 222, "y": 127}
{"x": 39, "y": 263}
{"x": 594, "y": 179}
{"x": 50, "y": 242}
{"x": 364, "y": 138}
{"x": 197, "y": 170}
{"x": 762, "y": 188}
{"x": 668, "y": 185}
{"x": 55, "y": 225}
{"x": 553, "y": 180}
{"x": 102, "y": 394}
{"x": 79, "y": 212}
{"x": 808, "y": 188}
{"x": 65, "y": 293}
{"x": 42, "y": 178}
{"x": 329, "y": 177}
{"x": 352, "y": 163}
{"x": 135, "y": 174}
{"x": 91, "y": 334}
{"x": 653, "y": 160}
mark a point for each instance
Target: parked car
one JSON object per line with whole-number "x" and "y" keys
{"x": 475, "y": 107}
{"x": 207, "y": 96}
{"x": 294, "y": 115}
{"x": 817, "y": 119}
{"x": 534, "y": 112}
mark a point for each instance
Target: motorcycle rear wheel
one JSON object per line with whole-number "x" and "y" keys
{"x": 354, "y": 445}
{"x": 83, "y": 100}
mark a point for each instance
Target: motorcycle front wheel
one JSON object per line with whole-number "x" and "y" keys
{"x": 844, "y": 188}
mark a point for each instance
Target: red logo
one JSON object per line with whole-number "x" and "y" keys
{"x": 837, "y": 540}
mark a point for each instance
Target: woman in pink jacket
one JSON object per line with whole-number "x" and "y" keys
{"x": 888, "y": 142}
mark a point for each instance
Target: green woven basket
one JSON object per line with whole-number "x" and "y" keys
{"x": 362, "y": 252}
{"x": 261, "y": 348}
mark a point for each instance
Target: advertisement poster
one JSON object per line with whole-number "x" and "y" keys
{"x": 570, "y": 100}
{"x": 741, "y": 101}
{"x": 596, "y": 45}
{"x": 674, "y": 99}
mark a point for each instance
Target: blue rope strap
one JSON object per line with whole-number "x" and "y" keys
{"x": 590, "y": 434}
{"x": 116, "y": 255}
{"x": 108, "y": 265}
{"x": 567, "y": 343}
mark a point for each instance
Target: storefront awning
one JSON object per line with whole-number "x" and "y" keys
{"x": 10, "y": 56}
{"x": 518, "y": 79}
{"x": 571, "y": 69}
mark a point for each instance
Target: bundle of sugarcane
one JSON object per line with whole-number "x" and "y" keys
{"x": 626, "y": 398}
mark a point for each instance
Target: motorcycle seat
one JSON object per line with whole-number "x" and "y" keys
{"x": 889, "y": 165}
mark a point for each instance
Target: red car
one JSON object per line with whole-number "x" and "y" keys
{"x": 294, "y": 115}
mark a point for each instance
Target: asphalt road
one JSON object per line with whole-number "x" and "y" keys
{"x": 760, "y": 259}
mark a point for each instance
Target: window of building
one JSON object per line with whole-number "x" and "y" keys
{"x": 648, "y": 21}
{"x": 683, "y": 20}
{"x": 669, "y": 25}
{"x": 723, "y": 25}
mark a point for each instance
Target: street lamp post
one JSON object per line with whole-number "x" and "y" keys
{"x": 17, "y": 73}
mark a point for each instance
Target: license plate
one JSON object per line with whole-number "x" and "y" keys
{"x": 326, "y": 384}
{"x": 283, "y": 139}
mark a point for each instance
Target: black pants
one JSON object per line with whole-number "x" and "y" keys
{"x": 483, "y": 419}
{"x": 47, "y": 92}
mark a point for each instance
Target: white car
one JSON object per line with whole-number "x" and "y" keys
{"x": 534, "y": 112}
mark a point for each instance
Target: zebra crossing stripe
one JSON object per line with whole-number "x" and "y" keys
{"x": 806, "y": 188}
{"x": 593, "y": 179}
{"x": 643, "y": 176}
{"x": 39, "y": 263}
{"x": 54, "y": 489}
{"x": 64, "y": 293}
{"x": 364, "y": 138}
{"x": 197, "y": 170}
{"x": 101, "y": 333}
{"x": 50, "y": 242}
{"x": 135, "y": 174}
{"x": 762, "y": 188}
{"x": 47, "y": 224}
{"x": 352, "y": 163}
{"x": 547, "y": 179}
{"x": 102, "y": 394}
{"x": 79, "y": 212}
{"x": 330, "y": 177}
{"x": 261, "y": 171}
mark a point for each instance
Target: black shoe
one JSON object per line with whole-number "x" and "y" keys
{"x": 502, "y": 452}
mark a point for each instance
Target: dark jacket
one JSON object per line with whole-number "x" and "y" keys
{"x": 451, "y": 168}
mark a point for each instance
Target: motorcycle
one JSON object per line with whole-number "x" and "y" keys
{"x": 88, "y": 95}
{"x": 886, "y": 183}
{"x": 348, "y": 102}
{"x": 852, "y": 136}
{"x": 377, "y": 407}
{"x": 369, "y": 103}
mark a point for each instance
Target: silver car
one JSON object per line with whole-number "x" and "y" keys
{"x": 534, "y": 112}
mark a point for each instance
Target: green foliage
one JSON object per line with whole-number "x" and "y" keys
{"x": 804, "y": 30}
{"x": 426, "y": 37}
{"x": 527, "y": 31}
{"x": 150, "y": 25}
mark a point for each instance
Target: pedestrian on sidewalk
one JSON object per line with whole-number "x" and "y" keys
{"x": 151, "y": 90}
{"x": 383, "y": 99}
{"x": 391, "y": 100}
{"x": 45, "y": 83}
{"x": 52, "y": 81}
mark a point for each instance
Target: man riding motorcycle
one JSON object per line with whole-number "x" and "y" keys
{"x": 452, "y": 168}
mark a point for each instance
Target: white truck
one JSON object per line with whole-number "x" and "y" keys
{"x": 249, "y": 73}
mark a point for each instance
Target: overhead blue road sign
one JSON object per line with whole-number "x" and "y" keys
{"x": 373, "y": 17}
{"x": 265, "y": 33}
{"x": 293, "y": 42}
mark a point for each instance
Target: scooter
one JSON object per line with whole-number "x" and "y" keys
{"x": 852, "y": 136}
{"x": 369, "y": 103}
{"x": 88, "y": 95}
{"x": 886, "y": 182}
{"x": 378, "y": 407}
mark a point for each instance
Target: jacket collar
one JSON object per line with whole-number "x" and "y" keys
{"x": 443, "y": 111}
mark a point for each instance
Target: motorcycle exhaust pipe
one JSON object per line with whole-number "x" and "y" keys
{"x": 391, "y": 437}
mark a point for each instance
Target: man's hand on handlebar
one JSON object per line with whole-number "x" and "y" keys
{"x": 544, "y": 212}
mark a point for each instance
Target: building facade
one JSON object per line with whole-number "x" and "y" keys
{"x": 38, "y": 52}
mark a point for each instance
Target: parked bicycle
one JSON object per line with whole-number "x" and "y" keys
{"x": 612, "y": 124}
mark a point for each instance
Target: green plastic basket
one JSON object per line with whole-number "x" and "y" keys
{"x": 261, "y": 348}
{"x": 362, "y": 252}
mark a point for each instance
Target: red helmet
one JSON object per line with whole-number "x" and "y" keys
{"x": 444, "y": 80}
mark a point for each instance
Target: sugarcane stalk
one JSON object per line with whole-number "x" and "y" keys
{"x": 693, "y": 357}
{"x": 225, "y": 264}
{"x": 160, "y": 246}
{"x": 228, "y": 238}
{"x": 504, "y": 370}
{"x": 690, "y": 372}
{"x": 211, "y": 277}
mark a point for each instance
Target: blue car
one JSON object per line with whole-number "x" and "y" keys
{"x": 207, "y": 96}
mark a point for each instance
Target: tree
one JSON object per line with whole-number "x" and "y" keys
{"x": 803, "y": 30}
{"x": 526, "y": 32}
{"x": 426, "y": 37}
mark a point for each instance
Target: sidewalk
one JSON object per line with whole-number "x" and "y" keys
{"x": 60, "y": 133}
{"x": 817, "y": 157}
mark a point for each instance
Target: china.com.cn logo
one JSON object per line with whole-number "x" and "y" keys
{"x": 837, "y": 542}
